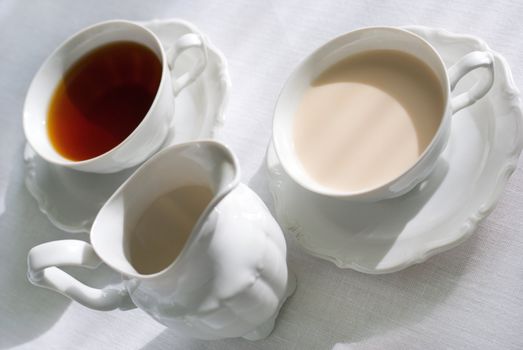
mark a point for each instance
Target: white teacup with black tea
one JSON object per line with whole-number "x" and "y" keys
{"x": 104, "y": 99}
{"x": 367, "y": 115}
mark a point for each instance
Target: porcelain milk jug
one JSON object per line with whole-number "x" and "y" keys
{"x": 229, "y": 279}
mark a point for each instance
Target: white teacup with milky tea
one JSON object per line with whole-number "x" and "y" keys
{"x": 367, "y": 114}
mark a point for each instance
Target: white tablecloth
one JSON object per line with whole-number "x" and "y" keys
{"x": 469, "y": 297}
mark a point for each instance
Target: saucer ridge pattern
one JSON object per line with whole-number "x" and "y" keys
{"x": 43, "y": 204}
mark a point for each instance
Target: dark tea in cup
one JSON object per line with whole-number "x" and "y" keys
{"x": 102, "y": 98}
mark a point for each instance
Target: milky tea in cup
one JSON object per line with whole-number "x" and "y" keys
{"x": 367, "y": 119}
{"x": 367, "y": 115}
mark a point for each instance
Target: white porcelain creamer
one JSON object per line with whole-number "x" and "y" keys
{"x": 229, "y": 280}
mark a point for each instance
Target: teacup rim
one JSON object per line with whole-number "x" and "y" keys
{"x": 361, "y": 194}
{"x": 63, "y": 161}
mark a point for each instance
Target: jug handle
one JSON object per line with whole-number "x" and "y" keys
{"x": 42, "y": 270}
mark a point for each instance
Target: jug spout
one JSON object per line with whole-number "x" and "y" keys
{"x": 207, "y": 163}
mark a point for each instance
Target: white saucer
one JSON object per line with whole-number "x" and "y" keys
{"x": 387, "y": 236}
{"x": 71, "y": 199}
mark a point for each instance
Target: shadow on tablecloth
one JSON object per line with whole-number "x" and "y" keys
{"x": 26, "y": 311}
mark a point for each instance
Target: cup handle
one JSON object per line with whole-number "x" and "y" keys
{"x": 466, "y": 64}
{"x": 42, "y": 271}
{"x": 185, "y": 42}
